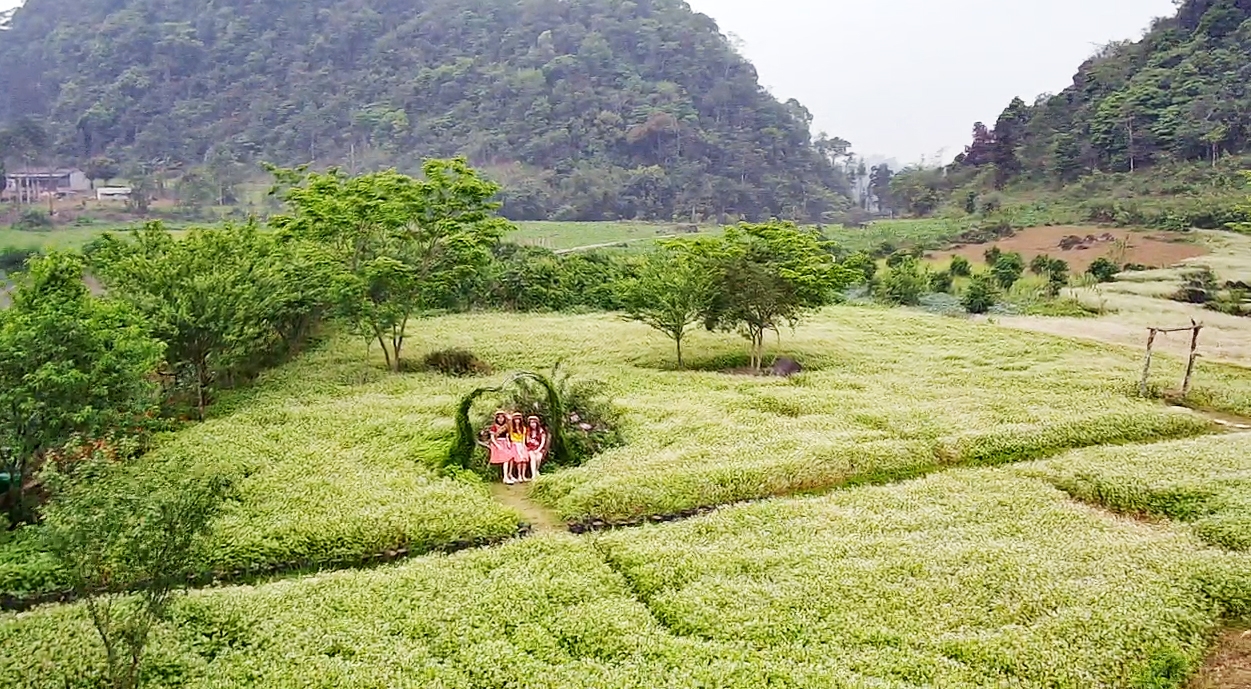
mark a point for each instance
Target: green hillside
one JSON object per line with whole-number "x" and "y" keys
{"x": 1151, "y": 132}
{"x": 583, "y": 109}
{"x": 1179, "y": 94}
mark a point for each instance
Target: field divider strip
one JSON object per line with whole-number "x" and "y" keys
{"x": 216, "y": 579}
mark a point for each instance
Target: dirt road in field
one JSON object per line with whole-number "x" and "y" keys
{"x": 1080, "y": 246}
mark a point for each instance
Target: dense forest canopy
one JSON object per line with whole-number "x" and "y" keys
{"x": 582, "y": 109}
{"x": 1180, "y": 93}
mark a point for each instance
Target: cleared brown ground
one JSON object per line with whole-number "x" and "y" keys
{"x": 1229, "y": 666}
{"x": 1155, "y": 249}
{"x": 1138, "y": 301}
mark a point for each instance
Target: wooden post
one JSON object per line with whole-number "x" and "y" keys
{"x": 1146, "y": 369}
{"x": 1190, "y": 365}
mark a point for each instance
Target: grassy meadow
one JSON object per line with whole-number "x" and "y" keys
{"x": 934, "y": 501}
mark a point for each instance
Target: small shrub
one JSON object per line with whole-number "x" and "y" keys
{"x": 33, "y": 220}
{"x": 456, "y": 362}
{"x": 904, "y": 284}
{"x": 1057, "y": 277}
{"x": 992, "y": 255}
{"x": 1040, "y": 264}
{"x": 941, "y": 281}
{"x": 13, "y": 258}
{"x": 1007, "y": 269}
{"x": 960, "y": 267}
{"x": 863, "y": 264}
{"x": 981, "y": 294}
{"x": 1103, "y": 270}
{"x": 897, "y": 258}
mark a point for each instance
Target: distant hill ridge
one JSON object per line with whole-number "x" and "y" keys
{"x": 584, "y": 109}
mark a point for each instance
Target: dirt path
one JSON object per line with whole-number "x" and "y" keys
{"x": 517, "y": 497}
{"x": 1229, "y": 665}
{"x": 1228, "y": 421}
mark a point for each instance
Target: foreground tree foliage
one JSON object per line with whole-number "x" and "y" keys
{"x": 70, "y": 366}
{"x": 222, "y": 300}
{"x": 110, "y": 528}
{"x": 403, "y": 248}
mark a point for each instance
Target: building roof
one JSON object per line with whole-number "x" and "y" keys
{"x": 44, "y": 172}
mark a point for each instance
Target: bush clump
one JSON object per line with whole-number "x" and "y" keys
{"x": 981, "y": 294}
{"x": 1103, "y": 270}
{"x": 456, "y": 362}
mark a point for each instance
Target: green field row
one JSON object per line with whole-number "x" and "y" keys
{"x": 972, "y": 578}
{"x": 1205, "y": 482}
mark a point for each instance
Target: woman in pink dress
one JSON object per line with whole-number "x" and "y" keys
{"x": 500, "y": 446}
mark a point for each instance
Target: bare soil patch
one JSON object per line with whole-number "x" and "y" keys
{"x": 1081, "y": 246}
{"x": 1229, "y": 665}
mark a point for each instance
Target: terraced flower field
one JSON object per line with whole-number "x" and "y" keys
{"x": 972, "y": 578}
{"x": 335, "y": 457}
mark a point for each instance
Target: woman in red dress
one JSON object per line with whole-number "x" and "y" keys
{"x": 536, "y": 444}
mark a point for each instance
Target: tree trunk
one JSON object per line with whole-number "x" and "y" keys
{"x": 678, "y": 342}
{"x": 386, "y": 353}
{"x": 201, "y": 381}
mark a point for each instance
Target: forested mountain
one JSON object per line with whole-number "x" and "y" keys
{"x": 1183, "y": 92}
{"x": 581, "y": 108}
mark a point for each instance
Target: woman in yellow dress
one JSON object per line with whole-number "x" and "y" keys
{"x": 517, "y": 436}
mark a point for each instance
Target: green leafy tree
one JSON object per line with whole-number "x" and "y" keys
{"x": 102, "y": 169}
{"x": 1008, "y": 269}
{"x": 768, "y": 275}
{"x": 70, "y": 365}
{"x": 960, "y": 266}
{"x": 670, "y": 293}
{"x": 113, "y": 527}
{"x": 941, "y": 281}
{"x": 981, "y": 294}
{"x": 211, "y": 296}
{"x": 406, "y": 248}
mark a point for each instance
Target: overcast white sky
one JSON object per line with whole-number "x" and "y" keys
{"x": 905, "y": 78}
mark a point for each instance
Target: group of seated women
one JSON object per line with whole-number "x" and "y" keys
{"x": 517, "y": 444}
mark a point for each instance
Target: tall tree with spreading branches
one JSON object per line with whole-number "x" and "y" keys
{"x": 406, "y": 247}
